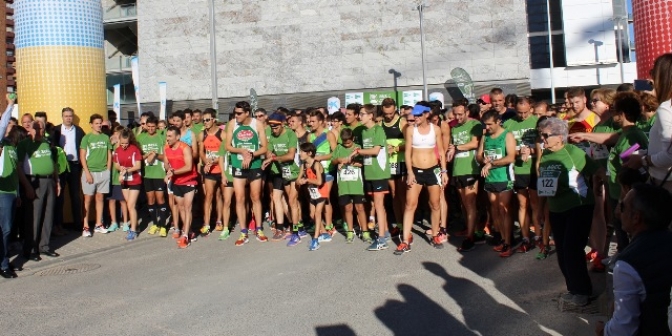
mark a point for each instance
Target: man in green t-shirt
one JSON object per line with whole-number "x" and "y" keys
{"x": 197, "y": 121}
{"x": 39, "y": 162}
{"x": 352, "y": 122}
{"x": 283, "y": 159}
{"x": 376, "y": 170}
{"x": 153, "y": 174}
{"x": 95, "y": 154}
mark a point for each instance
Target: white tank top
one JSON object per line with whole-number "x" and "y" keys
{"x": 424, "y": 140}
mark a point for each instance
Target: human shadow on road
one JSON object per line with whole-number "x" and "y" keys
{"x": 334, "y": 330}
{"x": 417, "y": 314}
{"x": 481, "y": 311}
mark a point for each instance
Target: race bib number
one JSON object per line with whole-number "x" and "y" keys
{"x": 286, "y": 173}
{"x": 245, "y": 146}
{"x": 314, "y": 193}
{"x": 325, "y": 165}
{"x": 128, "y": 177}
{"x": 153, "y": 163}
{"x": 547, "y": 184}
{"x": 348, "y": 174}
{"x": 462, "y": 155}
{"x": 599, "y": 152}
{"x": 494, "y": 154}
{"x": 394, "y": 168}
{"x": 368, "y": 161}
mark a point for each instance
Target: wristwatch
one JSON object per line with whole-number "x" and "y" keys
{"x": 645, "y": 162}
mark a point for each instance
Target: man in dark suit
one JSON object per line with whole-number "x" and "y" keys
{"x": 69, "y": 136}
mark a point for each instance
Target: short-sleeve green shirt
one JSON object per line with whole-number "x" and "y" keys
{"x": 564, "y": 177}
{"x": 375, "y": 167}
{"x": 281, "y": 145}
{"x": 627, "y": 139}
{"x": 525, "y": 133}
{"x": 37, "y": 157}
{"x": 97, "y": 148}
{"x": 153, "y": 143}
{"x": 349, "y": 178}
{"x": 464, "y": 162}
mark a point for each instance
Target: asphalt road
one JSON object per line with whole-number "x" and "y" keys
{"x": 149, "y": 287}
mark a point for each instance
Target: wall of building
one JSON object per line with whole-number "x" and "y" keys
{"x": 281, "y": 46}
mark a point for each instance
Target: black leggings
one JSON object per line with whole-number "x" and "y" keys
{"x": 570, "y": 231}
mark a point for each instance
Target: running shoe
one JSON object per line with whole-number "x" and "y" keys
{"x": 261, "y": 236}
{"x": 507, "y": 251}
{"x": 479, "y": 237}
{"x": 163, "y": 232}
{"x": 86, "y": 233}
{"x": 113, "y": 227}
{"x": 219, "y": 226}
{"x": 205, "y": 230}
{"x": 395, "y": 232}
{"x": 366, "y": 237}
{"x": 242, "y": 240}
{"x": 302, "y": 233}
{"x": 294, "y": 240}
{"x": 591, "y": 255}
{"x": 436, "y": 242}
{"x": 331, "y": 230}
{"x": 443, "y": 236}
{"x": 177, "y": 234}
{"x": 183, "y": 242}
{"x": 543, "y": 252}
{"x": 499, "y": 248}
{"x": 193, "y": 237}
{"x": 525, "y": 247}
{"x": 100, "y": 229}
{"x": 131, "y": 235}
{"x": 152, "y": 229}
{"x": 224, "y": 235}
{"x": 278, "y": 235}
{"x": 125, "y": 227}
{"x": 378, "y": 245}
{"x": 314, "y": 245}
{"x": 349, "y": 237}
{"x": 325, "y": 237}
{"x": 402, "y": 248}
{"x": 467, "y": 245}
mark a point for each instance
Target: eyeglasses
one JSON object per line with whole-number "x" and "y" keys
{"x": 547, "y": 135}
{"x": 207, "y": 119}
{"x": 238, "y": 113}
{"x": 595, "y": 100}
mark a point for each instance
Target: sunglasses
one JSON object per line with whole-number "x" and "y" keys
{"x": 410, "y": 120}
{"x": 239, "y": 113}
{"x": 207, "y": 119}
{"x": 547, "y": 135}
{"x": 595, "y": 100}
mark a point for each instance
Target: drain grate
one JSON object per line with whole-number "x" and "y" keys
{"x": 69, "y": 269}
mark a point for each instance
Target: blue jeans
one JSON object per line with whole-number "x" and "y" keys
{"x": 7, "y": 210}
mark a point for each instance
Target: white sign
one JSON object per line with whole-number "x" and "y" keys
{"x": 333, "y": 105}
{"x": 436, "y": 96}
{"x": 135, "y": 74}
{"x": 116, "y": 105}
{"x": 162, "y": 97}
{"x": 354, "y": 98}
{"x": 411, "y": 97}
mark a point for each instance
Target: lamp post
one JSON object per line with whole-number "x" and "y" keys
{"x": 550, "y": 50}
{"x": 421, "y": 7}
{"x": 213, "y": 57}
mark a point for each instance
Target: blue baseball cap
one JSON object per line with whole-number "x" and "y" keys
{"x": 276, "y": 118}
{"x": 418, "y": 110}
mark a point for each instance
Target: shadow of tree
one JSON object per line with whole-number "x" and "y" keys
{"x": 418, "y": 315}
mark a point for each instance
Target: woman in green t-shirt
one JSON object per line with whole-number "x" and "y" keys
{"x": 497, "y": 153}
{"x": 565, "y": 173}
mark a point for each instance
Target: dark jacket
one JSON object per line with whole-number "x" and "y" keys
{"x": 649, "y": 254}
{"x": 56, "y": 137}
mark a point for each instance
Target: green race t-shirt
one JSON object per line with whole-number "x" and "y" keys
{"x": 627, "y": 139}
{"x": 375, "y": 167}
{"x": 9, "y": 177}
{"x": 37, "y": 157}
{"x": 525, "y": 133}
{"x": 600, "y": 153}
{"x": 153, "y": 143}
{"x": 495, "y": 149}
{"x": 645, "y": 125}
{"x": 97, "y": 148}
{"x": 349, "y": 178}
{"x": 464, "y": 162}
{"x": 281, "y": 145}
{"x": 564, "y": 178}
{"x": 357, "y": 130}
{"x": 245, "y": 136}
{"x": 197, "y": 128}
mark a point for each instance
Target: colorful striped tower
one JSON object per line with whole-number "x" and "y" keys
{"x": 60, "y": 56}
{"x": 653, "y": 32}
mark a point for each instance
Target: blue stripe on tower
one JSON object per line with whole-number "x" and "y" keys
{"x": 59, "y": 23}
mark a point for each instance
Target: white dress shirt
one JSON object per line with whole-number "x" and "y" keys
{"x": 659, "y": 141}
{"x": 69, "y": 143}
{"x": 629, "y": 293}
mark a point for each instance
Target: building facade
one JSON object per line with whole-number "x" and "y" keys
{"x": 7, "y": 48}
{"x": 297, "y": 54}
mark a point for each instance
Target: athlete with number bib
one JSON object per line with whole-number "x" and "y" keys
{"x": 393, "y": 125}
{"x": 210, "y": 140}
{"x": 325, "y": 142}
{"x": 312, "y": 176}
{"x": 151, "y": 145}
{"x": 497, "y": 153}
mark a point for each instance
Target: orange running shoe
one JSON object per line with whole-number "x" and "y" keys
{"x": 183, "y": 242}
{"x": 507, "y": 251}
{"x": 176, "y": 234}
